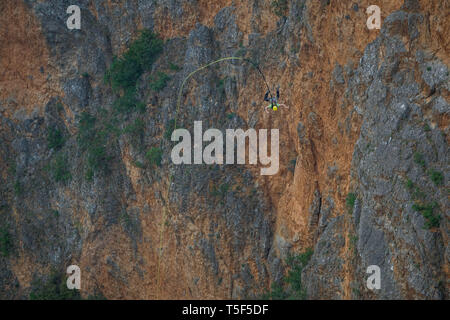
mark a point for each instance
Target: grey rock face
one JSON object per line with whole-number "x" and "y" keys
{"x": 396, "y": 148}
{"x": 326, "y": 259}
{"x": 383, "y": 162}
{"x": 440, "y": 106}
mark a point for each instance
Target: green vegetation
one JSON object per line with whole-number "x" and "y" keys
{"x": 418, "y": 158}
{"x": 59, "y": 165}
{"x": 138, "y": 164}
{"x": 5, "y": 242}
{"x": 424, "y": 208}
{"x": 415, "y": 191}
{"x": 94, "y": 143}
{"x": 54, "y": 288}
{"x": 89, "y": 175}
{"x": 420, "y": 205}
{"x": 111, "y": 126}
{"x": 125, "y": 219}
{"x": 291, "y": 286}
{"x": 350, "y": 202}
{"x": 240, "y": 52}
{"x": 418, "y": 194}
{"x": 55, "y": 213}
{"x": 126, "y": 70}
{"x": 135, "y": 130}
{"x": 96, "y": 296}
{"x": 221, "y": 191}
{"x": 220, "y": 85}
{"x": 427, "y": 210}
{"x": 436, "y": 176}
{"x": 127, "y": 102}
{"x": 96, "y": 134}
{"x": 12, "y": 167}
{"x": 18, "y": 188}
{"x": 174, "y": 67}
{"x": 97, "y": 158}
{"x": 426, "y": 127}
{"x": 356, "y": 293}
{"x": 353, "y": 243}
{"x": 276, "y": 293}
{"x": 141, "y": 107}
{"x": 86, "y": 129}
{"x": 294, "y": 277}
{"x": 231, "y": 115}
{"x": 59, "y": 168}
{"x": 159, "y": 82}
{"x": 279, "y": 7}
{"x": 409, "y": 185}
{"x": 55, "y": 138}
{"x": 154, "y": 156}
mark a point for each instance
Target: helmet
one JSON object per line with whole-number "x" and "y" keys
{"x": 275, "y": 108}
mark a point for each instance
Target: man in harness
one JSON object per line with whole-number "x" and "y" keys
{"x": 274, "y": 105}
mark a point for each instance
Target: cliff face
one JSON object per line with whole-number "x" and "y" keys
{"x": 364, "y": 155}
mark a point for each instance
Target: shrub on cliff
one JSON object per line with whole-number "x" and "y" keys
{"x": 350, "y": 202}
{"x": 5, "y": 242}
{"x": 93, "y": 141}
{"x": 296, "y": 264}
{"x": 136, "y": 131}
{"x": 86, "y": 130}
{"x": 127, "y": 102}
{"x": 55, "y": 138}
{"x": 154, "y": 156}
{"x": 432, "y": 220}
{"x": 59, "y": 168}
{"x": 436, "y": 176}
{"x": 126, "y": 70}
{"x": 160, "y": 82}
{"x": 419, "y": 159}
{"x": 290, "y": 287}
{"x": 53, "y": 288}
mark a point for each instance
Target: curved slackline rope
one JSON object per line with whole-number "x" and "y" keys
{"x": 210, "y": 64}
{"x": 175, "y": 126}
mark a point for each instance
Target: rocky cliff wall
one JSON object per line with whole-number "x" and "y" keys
{"x": 363, "y": 149}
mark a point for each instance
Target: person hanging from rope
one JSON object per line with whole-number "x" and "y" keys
{"x": 274, "y": 105}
